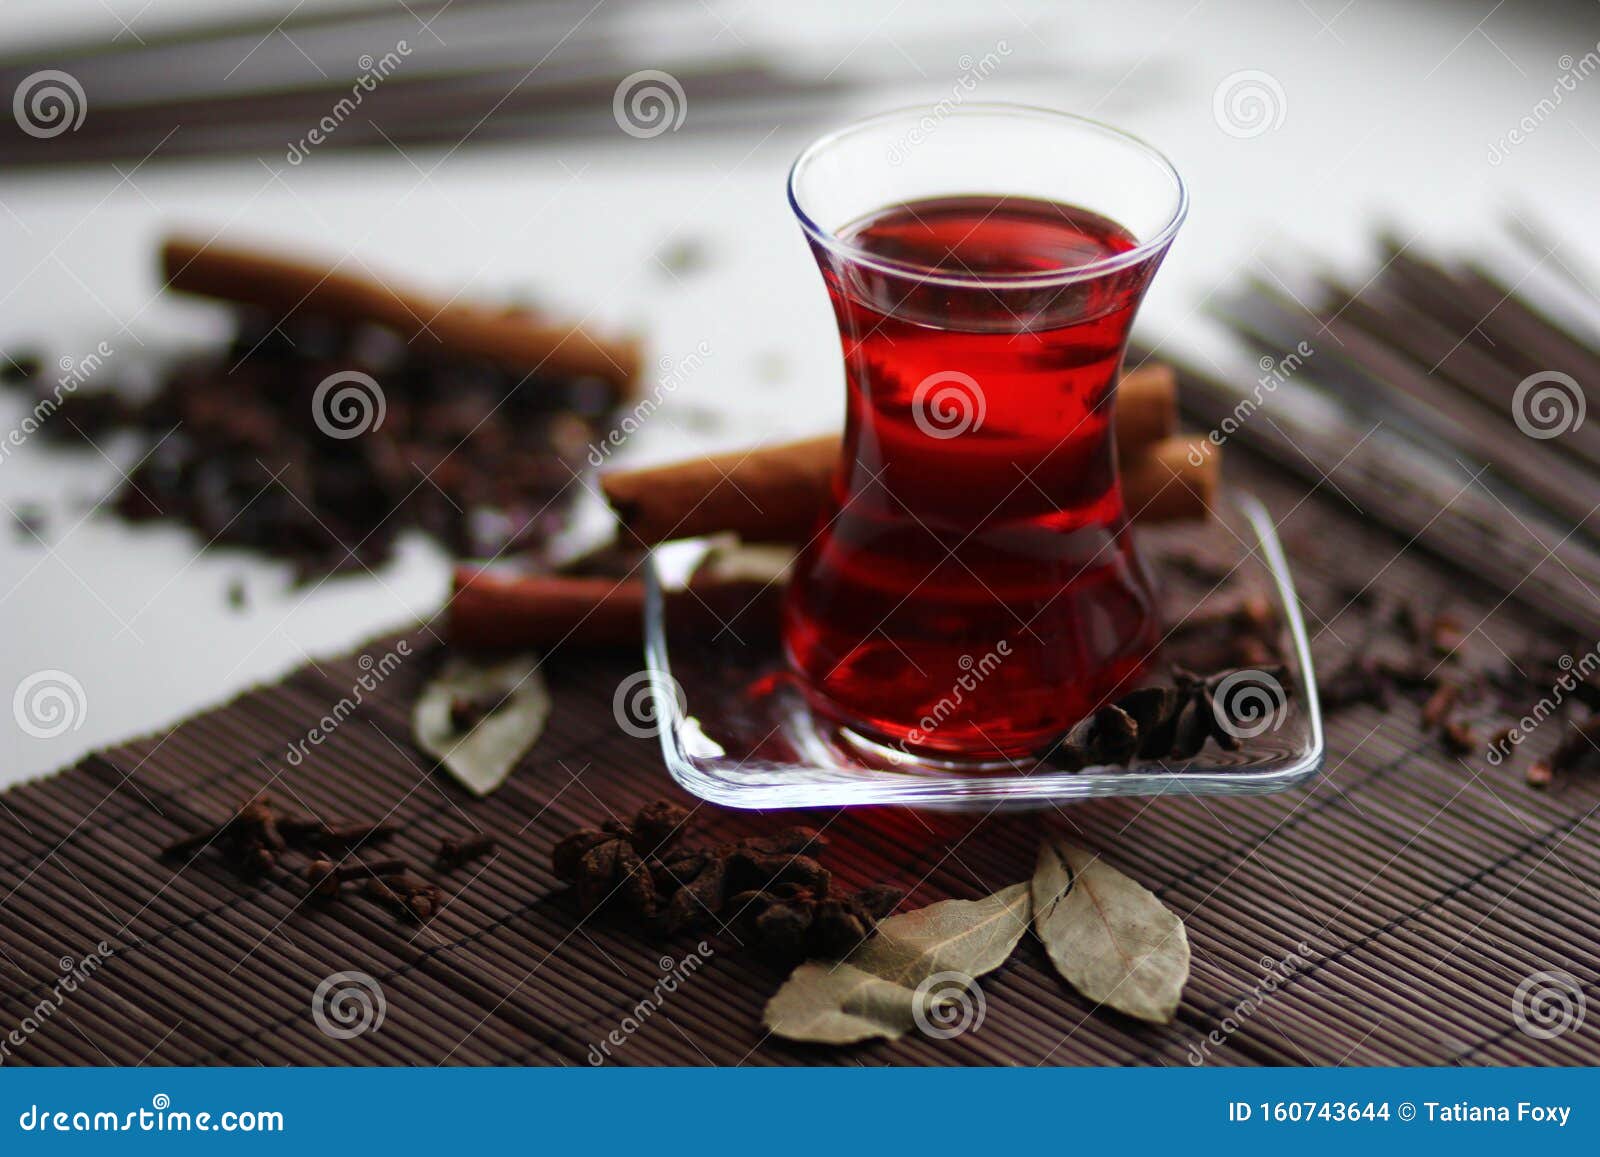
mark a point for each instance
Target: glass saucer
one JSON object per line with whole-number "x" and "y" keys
{"x": 738, "y": 730}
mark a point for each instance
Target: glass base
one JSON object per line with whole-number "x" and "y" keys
{"x": 738, "y": 729}
{"x": 889, "y": 755}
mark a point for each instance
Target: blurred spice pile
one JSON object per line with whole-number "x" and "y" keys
{"x": 1479, "y": 706}
{"x": 328, "y": 428}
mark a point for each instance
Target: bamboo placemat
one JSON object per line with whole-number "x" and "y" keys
{"x": 1426, "y": 888}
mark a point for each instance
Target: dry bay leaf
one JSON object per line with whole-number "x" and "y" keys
{"x": 1107, "y": 935}
{"x": 970, "y": 936}
{"x": 514, "y": 704}
{"x": 839, "y": 1004}
{"x": 874, "y": 992}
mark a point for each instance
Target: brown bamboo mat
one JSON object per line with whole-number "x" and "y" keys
{"x": 1426, "y": 888}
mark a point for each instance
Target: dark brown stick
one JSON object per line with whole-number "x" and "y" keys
{"x": 774, "y": 494}
{"x": 517, "y": 342}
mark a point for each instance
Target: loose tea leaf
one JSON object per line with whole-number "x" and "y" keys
{"x": 504, "y": 706}
{"x": 874, "y": 991}
{"x": 1109, "y": 937}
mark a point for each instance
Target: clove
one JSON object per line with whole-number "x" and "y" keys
{"x": 323, "y": 876}
{"x": 453, "y": 854}
{"x": 408, "y": 897}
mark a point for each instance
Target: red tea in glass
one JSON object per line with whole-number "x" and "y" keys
{"x": 973, "y": 589}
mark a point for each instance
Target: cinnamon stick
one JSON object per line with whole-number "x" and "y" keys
{"x": 518, "y": 342}
{"x": 489, "y": 611}
{"x": 1147, "y": 409}
{"x": 774, "y": 494}
{"x": 1174, "y": 480}
{"x": 500, "y": 612}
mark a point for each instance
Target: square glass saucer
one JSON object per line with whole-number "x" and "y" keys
{"x": 736, "y": 728}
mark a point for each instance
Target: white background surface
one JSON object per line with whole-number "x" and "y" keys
{"x": 1389, "y": 115}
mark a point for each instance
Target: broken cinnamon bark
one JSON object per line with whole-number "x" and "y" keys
{"x": 516, "y": 341}
{"x": 776, "y": 493}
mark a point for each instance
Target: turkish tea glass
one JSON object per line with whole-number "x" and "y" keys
{"x": 972, "y": 589}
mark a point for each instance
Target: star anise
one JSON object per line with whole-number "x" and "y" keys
{"x": 695, "y": 882}
{"x": 611, "y": 860}
{"x": 699, "y": 881}
{"x": 639, "y": 866}
{"x": 1171, "y": 722}
{"x": 793, "y": 922}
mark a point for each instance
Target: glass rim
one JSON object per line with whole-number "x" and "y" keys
{"x": 859, "y": 255}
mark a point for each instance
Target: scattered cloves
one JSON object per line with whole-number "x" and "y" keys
{"x": 1359, "y": 680}
{"x": 310, "y": 833}
{"x": 323, "y": 876}
{"x": 466, "y": 712}
{"x": 255, "y": 840}
{"x": 408, "y": 897}
{"x": 1439, "y": 704}
{"x": 772, "y": 884}
{"x": 1578, "y": 747}
{"x": 453, "y": 854}
{"x": 1446, "y": 633}
{"x": 250, "y": 842}
{"x": 1458, "y": 738}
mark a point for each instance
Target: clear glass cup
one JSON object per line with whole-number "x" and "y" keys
{"x": 972, "y": 589}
